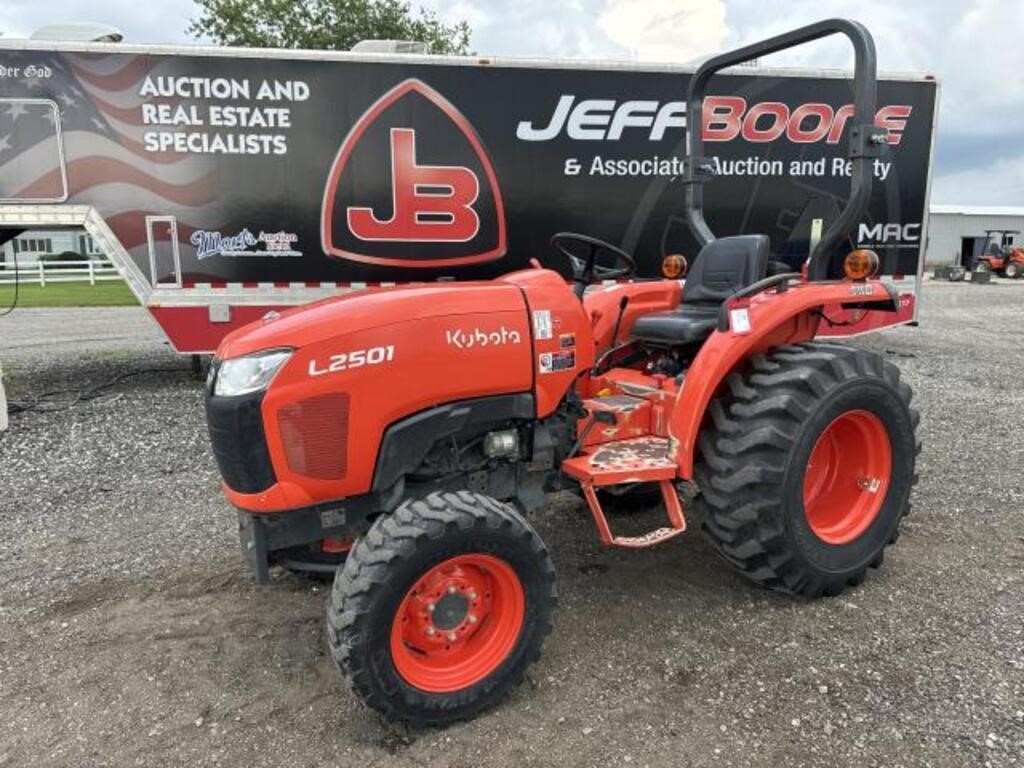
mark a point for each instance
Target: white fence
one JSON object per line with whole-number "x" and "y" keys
{"x": 44, "y": 272}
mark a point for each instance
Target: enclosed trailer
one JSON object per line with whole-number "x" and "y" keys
{"x": 225, "y": 183}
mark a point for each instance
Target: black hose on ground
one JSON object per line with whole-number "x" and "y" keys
{"x": 39, "y": 402}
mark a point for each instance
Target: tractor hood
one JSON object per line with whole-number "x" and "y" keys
{"x": 331, "y": 318}
{"x": 361, "y": 363}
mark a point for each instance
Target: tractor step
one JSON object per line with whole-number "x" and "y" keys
{"x": 625, "y": 462}
{"x": 674, "y": 510}
{"x": 634, "y": 460}
{"x": 625, "y": 417}
{"x": 645, "y": 540}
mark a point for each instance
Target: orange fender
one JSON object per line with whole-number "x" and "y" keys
{"x": 771, "y": 319}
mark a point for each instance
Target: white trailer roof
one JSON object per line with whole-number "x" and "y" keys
{"x": 978, "y": 210}
{"x": 467, "y": 61}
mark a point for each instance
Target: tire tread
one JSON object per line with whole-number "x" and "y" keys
{"x": 744, "y": 448}
{"x": 366, "y": 572}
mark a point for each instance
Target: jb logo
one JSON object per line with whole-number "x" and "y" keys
{"x": 412, "y": 186}
{"x": 429, "y": 202}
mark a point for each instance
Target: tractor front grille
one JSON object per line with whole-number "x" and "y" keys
{"x": 314, "y": 432}
{"x": 238, "y": 440}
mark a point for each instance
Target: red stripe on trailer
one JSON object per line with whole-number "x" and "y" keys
{"x": 253, "y": 285}
{"x": 189, "y": 328}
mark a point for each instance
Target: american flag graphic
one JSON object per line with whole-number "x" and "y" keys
{"x": 96, "y": 100}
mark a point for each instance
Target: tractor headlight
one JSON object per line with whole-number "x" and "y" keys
{"x": 251, "y": 373}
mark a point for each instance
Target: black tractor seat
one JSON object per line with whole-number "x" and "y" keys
{"x": 722, "y": 268}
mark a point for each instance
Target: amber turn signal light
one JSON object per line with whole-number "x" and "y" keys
{"x": 861, "y": 264}
{"x": 673, "y": 266}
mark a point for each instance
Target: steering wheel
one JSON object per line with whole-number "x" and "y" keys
{"x": 585, "y": 268}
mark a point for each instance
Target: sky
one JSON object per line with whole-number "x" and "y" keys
{"x": 972, "y": 46}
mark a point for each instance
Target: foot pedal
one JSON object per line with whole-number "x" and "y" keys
{"x": 674, "y": 510}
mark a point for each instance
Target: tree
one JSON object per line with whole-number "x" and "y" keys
{"x": 324, "y": 24}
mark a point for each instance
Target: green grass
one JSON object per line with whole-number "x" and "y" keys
{"x": 105, "y": 294}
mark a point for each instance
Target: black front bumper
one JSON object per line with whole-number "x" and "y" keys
{"x": 240, "y": 448}
{"x": 261, "y": 535}
{"x": 239, "y": 442}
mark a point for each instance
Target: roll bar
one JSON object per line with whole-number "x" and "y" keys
{"x": 866, "y": 141}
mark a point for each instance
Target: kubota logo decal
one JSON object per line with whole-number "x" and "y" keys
{"x": 412, "y": 186}
{"x": 461, "y": 339}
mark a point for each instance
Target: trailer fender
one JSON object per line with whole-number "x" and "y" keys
{"x": 752, "y": 325}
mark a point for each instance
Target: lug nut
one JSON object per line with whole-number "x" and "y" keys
{"x": 430, "y": 607}
{"x": 431, "y": 631}
{"x": 451, "y": 636}
{"x": 452, "y": 590}
{"x": 471, "y": 619}
{"x": 472, "y": 594}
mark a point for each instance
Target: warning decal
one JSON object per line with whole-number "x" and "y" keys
{"x": 553, "y": 362}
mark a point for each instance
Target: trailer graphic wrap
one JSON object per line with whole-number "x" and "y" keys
{"x": 282, "y": 172}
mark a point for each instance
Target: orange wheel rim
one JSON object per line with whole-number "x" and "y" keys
{"x": 847, "y": 477}
{"x": 458, "y": 623}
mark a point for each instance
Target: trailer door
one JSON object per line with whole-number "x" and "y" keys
{"x": 164, "y": 256}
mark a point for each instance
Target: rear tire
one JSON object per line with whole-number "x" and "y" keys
{"x": 806, "y": 467}
{"x": 441, "y": 608}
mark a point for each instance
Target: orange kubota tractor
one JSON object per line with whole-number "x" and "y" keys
{"x": 1000, "y": 255}
{"x": 423, "y": 422}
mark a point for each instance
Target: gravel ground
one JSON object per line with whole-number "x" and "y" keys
{"x": 64, "y": 332}
{"x": 130, "y": 634}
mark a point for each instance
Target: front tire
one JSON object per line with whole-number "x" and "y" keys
{"x": 806, "y": 467}
{"x": 441, "y": 608}
{"x": 1012, "y": 270}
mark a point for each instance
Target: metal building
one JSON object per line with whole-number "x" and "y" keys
{"x": 957, "y": 233}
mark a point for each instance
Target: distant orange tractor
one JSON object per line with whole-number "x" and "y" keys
{"x": 1000, "y": 255}
{"x": 424, "y": 422}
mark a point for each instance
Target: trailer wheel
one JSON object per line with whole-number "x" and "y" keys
{"x": 806, "y": 466}
{"x": 441, "y": 608}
